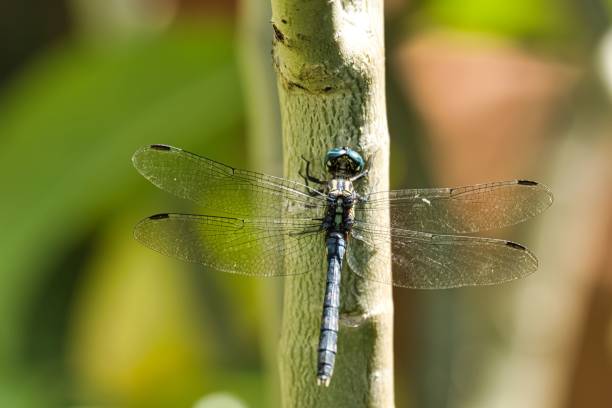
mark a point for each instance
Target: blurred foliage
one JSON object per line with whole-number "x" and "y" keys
{"x": 542, "y": 23}
{"x": 219, "y": 401}
{"x": 24, "y": 31}
{"x": 69, "y": 124}
{"x": 92, "y": 318}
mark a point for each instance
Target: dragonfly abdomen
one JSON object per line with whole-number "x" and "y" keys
{"x": 328, "y": 339}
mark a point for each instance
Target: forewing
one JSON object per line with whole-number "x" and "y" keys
{"x": 248, "y": 247}
{"x": 467, "y": 209}
{"x": 430, "y": 261}
{"x": 224, "y": 189}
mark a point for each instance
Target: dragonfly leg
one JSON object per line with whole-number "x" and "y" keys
{"x": 309, "y": 177}
{"x": 366, "y": 170}
{"x": 360, "y": 175}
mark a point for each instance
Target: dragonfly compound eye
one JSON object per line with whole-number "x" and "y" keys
{"x": 356, "y": 160}
{"x": 344, "y": 158}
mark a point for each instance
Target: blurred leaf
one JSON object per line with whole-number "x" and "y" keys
{"x": 68, "y": 128}
{"x": 519, "y": 19}
{"x": 135, "y": 330}
{"x": 219, "y": 401}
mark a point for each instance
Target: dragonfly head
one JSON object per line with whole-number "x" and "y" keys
{"x": 344, "y": 160}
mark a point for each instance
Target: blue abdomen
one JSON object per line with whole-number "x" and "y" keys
{"x": 328, "y": 339}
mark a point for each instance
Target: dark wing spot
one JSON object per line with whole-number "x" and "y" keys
{"x": 527, "y": 183}
{"x": 159, "y": 216}
{"x": 515, "y": 245}
{"x": 284, "y": 21}
{"x": 160, "y": 147}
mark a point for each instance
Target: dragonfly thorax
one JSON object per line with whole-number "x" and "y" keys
{"x": 340, "y": 200}
{"x": 339, "y": 188}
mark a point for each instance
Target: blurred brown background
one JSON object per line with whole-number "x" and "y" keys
{"x": 477, "y": 91}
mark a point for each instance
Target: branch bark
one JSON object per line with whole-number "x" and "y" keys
{"x": 329, "y": 59}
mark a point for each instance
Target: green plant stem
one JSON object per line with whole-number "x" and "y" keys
{"x": 329, "y": 59}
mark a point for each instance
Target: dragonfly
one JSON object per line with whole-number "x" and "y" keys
{"x": 260, "y": 225}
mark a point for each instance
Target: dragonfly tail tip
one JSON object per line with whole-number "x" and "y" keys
{"x": 323, "y": 380}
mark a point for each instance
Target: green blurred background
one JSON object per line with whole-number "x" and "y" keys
{"x": 477, "y": 91}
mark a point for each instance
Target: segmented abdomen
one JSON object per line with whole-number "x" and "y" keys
{"x": 336, "y": 246}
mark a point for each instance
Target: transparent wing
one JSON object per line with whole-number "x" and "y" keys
{"x": 429, "y": 261}
{"x": 224, "y": 189}
{"x": 248, "y": 247}
{"x": 467, "y": 209}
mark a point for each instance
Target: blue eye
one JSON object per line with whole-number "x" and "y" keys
{"x": 334, "y": 153}
{"x": 332, "y": 156}
{"x": 356, "y": 158}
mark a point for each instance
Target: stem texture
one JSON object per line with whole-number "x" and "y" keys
{"x": 329, "y": 59}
